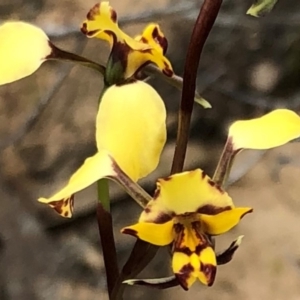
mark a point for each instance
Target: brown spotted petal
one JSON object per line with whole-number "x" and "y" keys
{"x": 132, "y": 53}
{"x": 102, "y": 23}
{"x": 94, "y": 168}
{"x": 153, "y": 36}
{"x": 64, "y": 207}
{"x": 193, "y": 255}
{"x": 186, "y": 192}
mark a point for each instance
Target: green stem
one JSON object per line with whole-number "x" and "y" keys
{"x": 103, "y": 193}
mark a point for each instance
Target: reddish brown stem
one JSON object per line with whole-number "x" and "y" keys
{"x": 108, "y": 246}
{"x": 206, "y": 18}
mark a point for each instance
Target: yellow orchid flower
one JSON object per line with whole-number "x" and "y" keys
{"x": 186, "y": 210}
{"x": 128, "y": 53}
{"x": 189, "y": 208}
{"x": 130, "y": 135}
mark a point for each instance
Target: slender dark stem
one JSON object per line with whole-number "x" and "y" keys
{"x": 204, "y": 24}
{"x": 139, "y": 258}
{"x": 224, "y": 163}
{"x": 108, "y": 247}
{"x": 60, "y": 54}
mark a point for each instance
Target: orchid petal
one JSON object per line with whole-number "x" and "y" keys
{"x": 153, "y": 36}
{"x": 224, "y": 221}
{"x": 94, "y": 168}
{"x": 102, "y": 23}
{"x": 23, "y": 48}
{"x": 133, "y": 53}
{"x": 185, "y": 193}
{"x": 156, "y": 234}
{"x": 131, "y": 125}
{"x": 271, "y": 130}
{"x": 183, "y": 269}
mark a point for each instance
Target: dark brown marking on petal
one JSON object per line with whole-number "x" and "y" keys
{"x": 215, "y": 185}
{"x": 147, "y": 210}
{"x": 66, "y": 214}
{"x": 203, "y": 174}
{"x": 178, "y": 227}
{"x": 209, "y": 271}
{"x": 159, "y": 39}
{"x": 92, "y": 32}
{"x": 210, "y": 209}
{"x": 167, "y": 178}
{"x": 130, "y": 231}
{"x": 156, "y": 193}
{"x": 167, "y": 71}
{"x": 84, "y": 28}
{"x": 179, "y": 236}
{"x": 185, "y": 250}
{"x": 163, "y": 218}
{"x": 93, "y": 12}
{"x": 57, "y": 205}
{"x": 113, "y": 15}
{"x": 184, "y": 274}
{"x": 247, "y": 212}
{"x": 144, "y": 40}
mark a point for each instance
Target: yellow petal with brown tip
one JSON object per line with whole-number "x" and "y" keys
{"x": 224, "y": 221}
{"x": 102, "y": 23}
{"x": 185, "y": 193}
{"x": 94, "y": 168}
{"x": 156, "y": 234}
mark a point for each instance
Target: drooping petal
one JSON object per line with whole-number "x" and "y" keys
{"x": 271, "y": 130}
{"x": 227, "y": 255}
{"x": 156, "y": 234}
{"x": 184, "y": 270}
{"x": 224, "y": 221}
{"x": 94, "y": 168}
{"x": 208, "y": 267}
{"x": 184, "y": 193}
{"x": 23, "y": 48}
{"x": 102, "y": 23}
{"x": 131, "y": 126}
{"x": 193, "y": 254}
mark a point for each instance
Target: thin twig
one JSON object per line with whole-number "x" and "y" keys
{"x": 204, "y": 24}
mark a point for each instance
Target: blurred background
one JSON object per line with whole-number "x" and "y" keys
{"x": 249, "y": 67}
